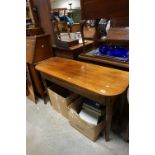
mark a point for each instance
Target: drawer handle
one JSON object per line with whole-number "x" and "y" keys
{"x": 42, "y": 46}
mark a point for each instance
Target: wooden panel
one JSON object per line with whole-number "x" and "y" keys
{"x": 118, "y": 34}
{"x": 44, "y": 8}
{"x": 36, "y": 80}
{"x": 42, "y": 48}
{"x": 97, "y": 79}
{"x": 37, "y": 48}
{"x": 72, "y": 52}
{"x": 33, "y": 31}
{"x": 30, "y": 48}
{"x": 110, "y": 9}
{"x": 75, "y": 47}
{"x": 75, "y": 27}
{"x": 29, "y": 86}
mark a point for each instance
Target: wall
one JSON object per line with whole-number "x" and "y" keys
{"x": 64, "y": 4}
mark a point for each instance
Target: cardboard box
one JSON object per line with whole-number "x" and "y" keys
{"x": 89, "y": 130}
{"x": 60, "y": 98}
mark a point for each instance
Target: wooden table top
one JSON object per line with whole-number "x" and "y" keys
{"x": 97, "y": 79}
{"x": 72, "y": 48}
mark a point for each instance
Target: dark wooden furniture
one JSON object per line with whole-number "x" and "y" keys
{"x": 75, "y": 27}
{"x": 118, "y": 34}
{"x": 71, "y": 52}
{"x": 98, "y": 83}
{"x": 115, "y": 36}
{"x": 29, "y": 86}
{"x": 37, "y": 49}
{"x": 104, "y": 62}
{"x": 34, "y": 31}
{"x": 118, "y": 13}
{"x": 44, "y": 9}
{"x": 118, "y": 10}
{"x": 32, "y": 19}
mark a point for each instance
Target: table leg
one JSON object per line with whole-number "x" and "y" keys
{"x": 45, "y": 92}
{"x": 109, "y": 109}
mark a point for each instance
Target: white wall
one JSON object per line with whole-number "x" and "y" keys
{"x": 64, "y": 3}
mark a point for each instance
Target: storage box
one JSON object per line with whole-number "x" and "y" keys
{"x": 60, "y": 98}
{"x": 89, "y": 130}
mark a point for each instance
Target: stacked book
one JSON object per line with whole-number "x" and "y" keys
{"x": 92, "y": 112}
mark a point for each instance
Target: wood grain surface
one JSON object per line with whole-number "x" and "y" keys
{"x": 100, "y": 80}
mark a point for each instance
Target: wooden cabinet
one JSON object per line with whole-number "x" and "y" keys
{"x": 118, "y": 10}
{"x": 118, "y": 35}
{"x": 115, "y": 36}
{"x": 34, "y": 31}
{"x": 32, "y": 18}
{"x": 38, "y": 48}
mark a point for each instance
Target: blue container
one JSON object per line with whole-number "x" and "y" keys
{"x": 103, "y": 49}
{"x": 118, "y": 52}
{"x": 125, "y": 53}
{"x": 110, "y": 52}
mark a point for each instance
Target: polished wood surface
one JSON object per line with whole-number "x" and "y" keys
{"x": 97, "y": 79}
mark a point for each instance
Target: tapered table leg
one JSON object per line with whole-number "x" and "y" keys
{"x": 45, "y": 92}
{"x": 109, "y": 110}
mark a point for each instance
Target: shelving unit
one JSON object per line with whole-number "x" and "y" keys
{"x": 32, "y": 19}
